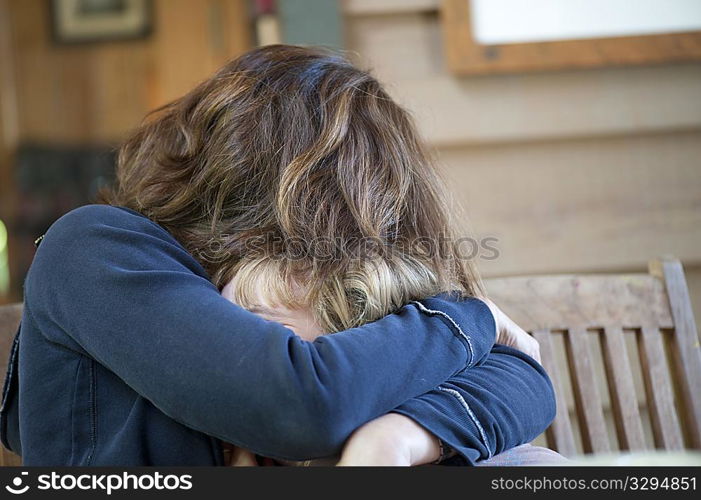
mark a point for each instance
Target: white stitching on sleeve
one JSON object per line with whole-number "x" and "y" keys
{"x": 426, "y": 310}
{"x": 472, "y": 416}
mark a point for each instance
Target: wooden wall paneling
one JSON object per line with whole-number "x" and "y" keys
{"x": 182, "y": 28}
{"x": 122, "y": 85}
{"x": 9, "y": 132}
{"x": 75, "y": 93}
{"x": 405, "y": 52}
{"x": 577, "y": 205}
{"x": 205, "y": 34}
{"x": 53, "y": 85}
{"x": 95, "y": 92}
{"x": 237, "y": 29}
{"x": 8, "y": 105}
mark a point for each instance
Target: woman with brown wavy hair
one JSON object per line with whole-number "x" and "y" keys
{"x": 291, "y": 176}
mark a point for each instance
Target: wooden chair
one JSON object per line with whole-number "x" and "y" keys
{"x": 590, "y": 320}
{"x": 597, "y": 332}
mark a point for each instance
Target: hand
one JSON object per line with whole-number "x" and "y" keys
{"x": 509, "y": 333}
{"x": 390, "y": 440}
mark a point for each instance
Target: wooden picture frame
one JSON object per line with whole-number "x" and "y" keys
{"x": 89, "y": 21}
{"x": 465, "y": 56}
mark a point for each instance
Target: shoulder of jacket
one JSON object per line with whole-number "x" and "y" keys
{"x": 88, "y": 218}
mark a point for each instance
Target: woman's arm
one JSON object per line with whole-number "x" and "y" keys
{"x": 507, "y": 401}
{"x": 479, "y": 413}
{"x": 111, "y": 284}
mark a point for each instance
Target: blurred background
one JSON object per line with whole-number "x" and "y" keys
{"x": 571, "y": 137}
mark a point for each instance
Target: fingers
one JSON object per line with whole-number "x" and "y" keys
{"x": 511, "y": 334}
{"x": 534, "y": 350}
{"x": 496, "y": 313}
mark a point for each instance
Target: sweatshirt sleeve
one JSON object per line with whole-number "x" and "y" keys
{"x": 506, "y": 401}
{"x": 111, "y": 284}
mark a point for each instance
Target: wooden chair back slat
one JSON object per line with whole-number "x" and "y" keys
{"x": 658, "y": 387}
{"x": 586, "y": 393}
{"x": 559, "y": 435}
{"x": 686, "y": 352}
{"x": 629, "y": 428}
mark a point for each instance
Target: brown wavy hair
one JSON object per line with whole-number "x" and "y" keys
{"x": 281, "y": 149}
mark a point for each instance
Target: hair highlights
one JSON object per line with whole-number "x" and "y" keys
{"x": 293, "y": 144}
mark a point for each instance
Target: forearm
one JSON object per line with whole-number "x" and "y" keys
{"x": 477, "y": 329}
{"x": 483, "y": 411}
{"x": 390, "y": 440}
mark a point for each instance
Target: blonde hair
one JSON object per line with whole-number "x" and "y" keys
{"x": 367, "y": 291}
{"x": 281, "y": 149}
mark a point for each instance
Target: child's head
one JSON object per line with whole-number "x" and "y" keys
{"x": 292, "y": 167}
{"x": 367, "y": 290}
{"x": 254, "y": 290}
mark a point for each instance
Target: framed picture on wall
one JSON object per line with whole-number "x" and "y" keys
{"x": 513, "y": 36}
{"x": 82, "y": 21}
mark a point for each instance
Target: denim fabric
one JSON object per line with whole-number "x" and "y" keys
{"x": 128, "y": 355}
